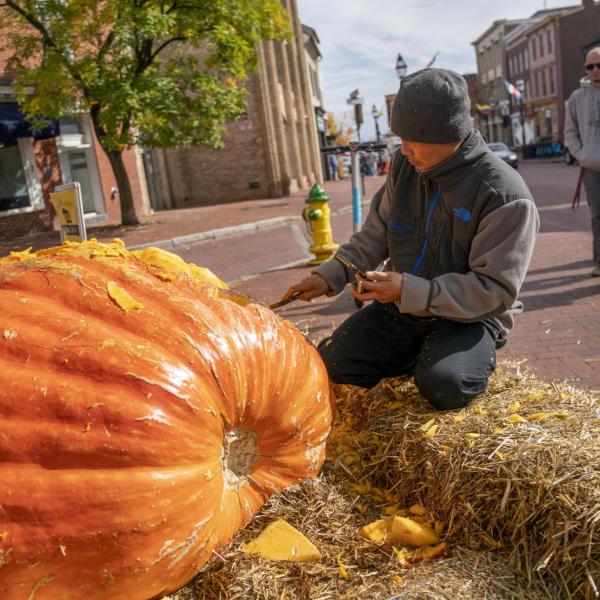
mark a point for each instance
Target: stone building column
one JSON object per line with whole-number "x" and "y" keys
{"x": 311, "y": 125}
{"x": 270, "y": 143}
{"x": 301, "y": 117}
{"x": 161, "y": 178}
{"x": 292, "y": 115}
{"x": 280, "y": 137}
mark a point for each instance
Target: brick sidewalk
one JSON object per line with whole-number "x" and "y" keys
{"x": 558, "y": 335}
{"x": 170, "y": 224}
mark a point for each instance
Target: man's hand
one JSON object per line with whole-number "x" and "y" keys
{"x": 383, "y": 286}
{"x": 311, "y": 287}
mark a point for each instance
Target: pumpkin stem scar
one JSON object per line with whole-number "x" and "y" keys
{"x": 239, "y": 455}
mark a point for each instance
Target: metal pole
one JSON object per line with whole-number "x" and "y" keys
{"x": 356, "y": 195}
{"x": 377, "y": 132}
{"x": 522, "y": 127}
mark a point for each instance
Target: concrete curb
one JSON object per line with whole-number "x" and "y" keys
{"x": 222, "y": 232}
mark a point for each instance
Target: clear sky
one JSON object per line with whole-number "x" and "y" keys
{"x": 360, "y": 40}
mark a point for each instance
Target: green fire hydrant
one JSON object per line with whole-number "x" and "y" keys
{"x": 318, "y": 216}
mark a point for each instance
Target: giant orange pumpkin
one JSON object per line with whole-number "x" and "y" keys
{"x": 143, "y": 420}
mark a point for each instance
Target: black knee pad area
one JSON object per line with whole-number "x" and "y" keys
{"x": 447, "y": 390}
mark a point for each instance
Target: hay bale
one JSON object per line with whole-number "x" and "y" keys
{"x": 467, "y": 575}
{"x": 519, "y": 497}
{"x": 519, "y": 469}
{"x": 326, "y": 514}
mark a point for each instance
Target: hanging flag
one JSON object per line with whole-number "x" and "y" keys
{"x": 430, "y": 63}
{"x": 484, "y": 109}
{"x": 512, "y": 90}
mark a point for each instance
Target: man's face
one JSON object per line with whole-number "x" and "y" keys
{"x": 424, "y": 156}
{"x": 593, "y": 58}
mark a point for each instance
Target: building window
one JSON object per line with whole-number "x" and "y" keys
{"x": 13, "y": 184}
{"x": 541, "y": 38}
{"x": 313, "y": 83}
{"x": 549, "y": 41}
{"x": 544, "y": 87}
{"x": 551, "y": 73}
{"x": 533, "y": 48}
{"x": 525, "y": 60}
{"x": 20, "y": 190}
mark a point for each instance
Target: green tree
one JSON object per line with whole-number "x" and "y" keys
{"x": 151, "y": 72}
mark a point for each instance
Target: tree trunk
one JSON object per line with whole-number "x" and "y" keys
{"x": 128, "y": 216}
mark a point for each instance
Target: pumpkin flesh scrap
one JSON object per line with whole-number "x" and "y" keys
{"x": 280, "y": 541}
{"x": 118, "y": 425}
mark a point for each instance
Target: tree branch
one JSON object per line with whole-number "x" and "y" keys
{"x": 165, "y": 44}
{"x": 47, "y": 39}
{"x": 176, "y": 6}
{"x": 105, "y": 46}
{"x": 146, "y": 57}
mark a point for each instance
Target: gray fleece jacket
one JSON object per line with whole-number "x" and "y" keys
{"x": 462, "y": 233}
{"x": 582, "y": 125}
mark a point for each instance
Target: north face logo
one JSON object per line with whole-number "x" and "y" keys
{"x": 463, "y": 214}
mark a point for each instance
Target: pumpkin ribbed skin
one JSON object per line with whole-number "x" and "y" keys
{"x": 127, "y": 434}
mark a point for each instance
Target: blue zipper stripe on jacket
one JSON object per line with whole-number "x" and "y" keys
{"x": 434, "y": 201}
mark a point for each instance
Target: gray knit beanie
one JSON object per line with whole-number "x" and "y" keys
{"x": 432, "y": 106}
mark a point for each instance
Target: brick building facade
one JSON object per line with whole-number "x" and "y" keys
{"x": 544, "y": 56}
{"x": 273, "y": 150}
{"x": 492, "y": 109}
{"x": 270, "y": 152}
{"x": 31, "y": 168}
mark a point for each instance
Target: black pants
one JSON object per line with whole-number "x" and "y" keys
{"x": 451, "y": 361}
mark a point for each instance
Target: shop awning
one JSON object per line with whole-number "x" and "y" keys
{"x": 13, "y": 125}
{"x": 484, "y": 109}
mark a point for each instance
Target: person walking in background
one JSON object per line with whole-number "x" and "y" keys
{"x": 582, "y": 137}
{"x": 341, "y": 168}
{"x": 333, "y": 166}
{"x": 456, "y": 227}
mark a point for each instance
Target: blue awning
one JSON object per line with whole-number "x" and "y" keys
{"x": 13, "y": 125}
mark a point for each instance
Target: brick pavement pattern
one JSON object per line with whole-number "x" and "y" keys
{"x": 558, "y": 335}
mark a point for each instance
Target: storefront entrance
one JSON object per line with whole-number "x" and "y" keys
{"x": 20, "y": 189}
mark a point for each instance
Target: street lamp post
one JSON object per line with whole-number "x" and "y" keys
{"x": 356, "y": 101}
{"x": 401, "y": 67}
{"x": 520, "y": 84}
{"x": 375, "y": 113}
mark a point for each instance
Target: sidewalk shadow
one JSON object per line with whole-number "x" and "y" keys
{"x": 556, "y": 281}
{"x": 579, "y": 264}
{"x": 555, "y": 299}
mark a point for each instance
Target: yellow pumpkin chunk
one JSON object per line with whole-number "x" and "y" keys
{"x": 281, "y": 541}
{"x": 122, "y": 298}
{"x": 406, "y": 532}
{"x": 417, "y": 509}
{"x": 377, "y": 531}
{"x": 515, "y": 418}
{"x": 408, "y": 558}
{"x": 172, "y": 265}
{"x": 401, "y": 531}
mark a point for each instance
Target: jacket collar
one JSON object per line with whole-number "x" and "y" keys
{"x": 471, "y": 149}
{"x": 586, "y": 82}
